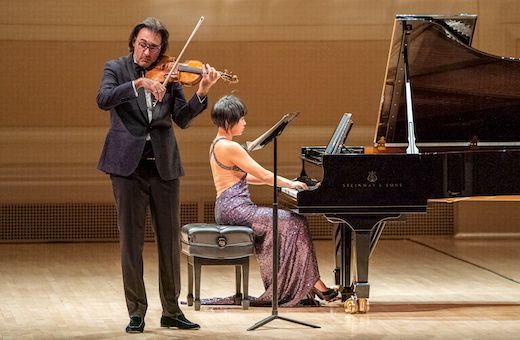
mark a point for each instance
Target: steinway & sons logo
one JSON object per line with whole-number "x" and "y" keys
{"x": 372, "y": 181}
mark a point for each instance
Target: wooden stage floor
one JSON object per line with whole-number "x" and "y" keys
{"x": 421, "y": 288}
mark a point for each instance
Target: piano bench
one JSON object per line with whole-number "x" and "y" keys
{"x": 213, "y": 244}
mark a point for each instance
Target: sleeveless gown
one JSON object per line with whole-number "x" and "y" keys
{"x": 298, "y": 267}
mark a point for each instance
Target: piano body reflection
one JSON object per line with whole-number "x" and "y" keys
{"x": 448, "y": 126}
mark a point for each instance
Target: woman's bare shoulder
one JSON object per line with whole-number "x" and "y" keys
{"x": 229, "y": 145}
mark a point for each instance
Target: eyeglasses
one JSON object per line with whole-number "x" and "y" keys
{"x": 152, "y": 48}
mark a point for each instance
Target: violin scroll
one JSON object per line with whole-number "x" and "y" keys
{"x": 228, "y": 76}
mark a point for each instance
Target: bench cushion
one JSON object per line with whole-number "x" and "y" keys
{"x": 217, "y": 241}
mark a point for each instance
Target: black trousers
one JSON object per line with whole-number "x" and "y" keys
{"x": 133, "y": 195}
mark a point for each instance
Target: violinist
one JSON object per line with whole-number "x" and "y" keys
{"x": 141, "y": 157}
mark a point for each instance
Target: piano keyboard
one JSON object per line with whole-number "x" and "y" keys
{"x": 290, "y": 192}
{"x": 294, "y": 192}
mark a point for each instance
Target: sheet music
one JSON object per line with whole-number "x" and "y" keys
{"x": 257, "y": 143}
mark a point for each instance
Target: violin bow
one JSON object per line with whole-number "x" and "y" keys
{"x": 181, "y": 53}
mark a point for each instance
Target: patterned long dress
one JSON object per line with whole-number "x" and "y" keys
{"x": 298, "y": 267}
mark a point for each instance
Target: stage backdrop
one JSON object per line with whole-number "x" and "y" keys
{"x": 322, "y": 58}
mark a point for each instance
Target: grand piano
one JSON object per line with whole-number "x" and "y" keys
{"x": 448, "y": 126}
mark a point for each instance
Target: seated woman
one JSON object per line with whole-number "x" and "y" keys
{"x": 233, "y": 169}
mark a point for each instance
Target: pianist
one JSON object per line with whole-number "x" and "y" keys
{"x": 233, "y": 169}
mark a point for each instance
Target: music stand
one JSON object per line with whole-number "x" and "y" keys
{"x": 259, "y": 143}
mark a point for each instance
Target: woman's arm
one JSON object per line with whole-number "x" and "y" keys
{"x": 280, "y": 181}
{"x": 256, "y": 174}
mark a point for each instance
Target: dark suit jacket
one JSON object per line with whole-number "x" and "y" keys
{"x": 125, "y": 141}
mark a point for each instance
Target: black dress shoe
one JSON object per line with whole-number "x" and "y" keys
{"x": 136, "y": 325}
{"x": 309, "y": 301}
{"x": 178, "y": 321}
{"x": 327, "y": 295}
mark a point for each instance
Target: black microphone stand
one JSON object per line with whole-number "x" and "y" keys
{"x": 274, "y": 314}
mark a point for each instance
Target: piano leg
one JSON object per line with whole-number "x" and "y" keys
{"x": 364, "y": 231}
{"x": 342, "y": 236}
{"x": 360, "y": 257}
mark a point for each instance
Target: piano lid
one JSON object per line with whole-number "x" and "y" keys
{"x": 459, "y": 94}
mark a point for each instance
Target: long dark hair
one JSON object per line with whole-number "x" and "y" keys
{"x": 153, "y": 25}
{"x": 227, "y": 111}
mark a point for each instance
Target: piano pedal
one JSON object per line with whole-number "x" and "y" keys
{"x": 346, "y": 293}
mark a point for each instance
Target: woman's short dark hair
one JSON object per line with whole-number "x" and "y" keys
{"x": 153, "y": 25}
{"x": 227, "y": 111}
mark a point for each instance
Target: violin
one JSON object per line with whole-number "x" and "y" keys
{"x": 188, "y": 73}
